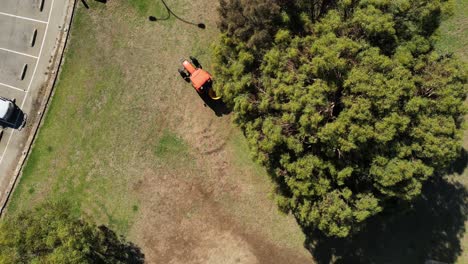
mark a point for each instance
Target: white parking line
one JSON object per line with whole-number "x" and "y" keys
{"x": 40, "y": 53}
{"x": 32, "y": 78}
{"x": 25, "y": 18}
{"x": 19, "y": 53}
{"x": 12, "y": 87}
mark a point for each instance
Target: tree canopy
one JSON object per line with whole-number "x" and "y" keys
{"x": 50, "y": 234}
{"x": 347, "y": 103}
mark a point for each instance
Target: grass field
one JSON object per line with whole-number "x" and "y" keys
{"x": 454, "y": 31}
{"x": 454, "y": 38}
{"x": 132, "y": 146}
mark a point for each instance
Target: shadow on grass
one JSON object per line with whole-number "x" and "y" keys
{"x": 218, "y": 106}
{"x": 169, "y": 13}
{"x": 117, "y": 249}
{"x": 460, "y": 164}
{"x": 85, "y": 4}
{"x": 430, "y": 229}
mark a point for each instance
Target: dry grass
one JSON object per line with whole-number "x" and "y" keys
{"x": 133, "y": 146}
{"x": 454, "y": 38}
{"x": 454, "y": 31}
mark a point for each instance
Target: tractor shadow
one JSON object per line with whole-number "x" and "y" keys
{"x": 429, "y": 229}
{"x": 16, "y": 121}
{"x": 218, "y": 106}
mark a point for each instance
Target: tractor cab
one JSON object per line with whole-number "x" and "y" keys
{"x": 200, "y": 79}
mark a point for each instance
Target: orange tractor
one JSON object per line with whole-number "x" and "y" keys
{"x": 201, "y": 80}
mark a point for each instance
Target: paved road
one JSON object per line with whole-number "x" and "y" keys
{"x": 31, "y": 33}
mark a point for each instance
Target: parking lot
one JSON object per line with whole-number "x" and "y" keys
{"x": 23, "y": 27}
{"x": 30, "y": 34}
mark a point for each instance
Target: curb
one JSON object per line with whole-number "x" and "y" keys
{"x": 50, "y": 84}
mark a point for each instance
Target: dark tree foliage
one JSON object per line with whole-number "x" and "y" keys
{"x": 347, "y": 103}
{"x": 50, "y": 234}
{"x": 252, "y": 24}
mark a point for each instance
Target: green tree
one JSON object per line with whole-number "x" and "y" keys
{"x": 50, "y": 234}
{"x": 250, "y": 22}
{"x": 349, "y": 106}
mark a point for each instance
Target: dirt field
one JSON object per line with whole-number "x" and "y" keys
{"x": 133, "y": 146}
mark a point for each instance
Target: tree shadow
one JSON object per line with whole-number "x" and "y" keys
{"x": 429, "y": 229}
{"x": 117, "y": 249}
{"x": 85, "y": 4}
{"x": 170, "y": 12}
{"x": 460, "y": 164}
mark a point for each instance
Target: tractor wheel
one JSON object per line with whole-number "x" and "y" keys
{"x": 195, "y": 62}
{"x": 182, "y": 73}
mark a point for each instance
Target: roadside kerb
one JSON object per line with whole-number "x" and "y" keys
{"x": 50, "y": 83}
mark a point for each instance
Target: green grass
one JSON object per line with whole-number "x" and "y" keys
{"x": 145, "y": 8}
{"x": 170, "y": 145}
{"x": 76, "y": 135}
{"x": 115, "y": 120}
{"x": 157, "y": 9}
{"x": 454, "y": 31}
{"x": 453, "y": 39}
{"x": 115, "y": 142}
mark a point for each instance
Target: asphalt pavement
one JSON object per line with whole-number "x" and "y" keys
{"x": 32, "y": 34}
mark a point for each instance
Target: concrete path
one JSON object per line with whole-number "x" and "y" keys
{"x": 32, "y": 38}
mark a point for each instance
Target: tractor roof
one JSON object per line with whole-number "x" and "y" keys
{"x": 5, "y": 108}
{"x": 199, "y": 78}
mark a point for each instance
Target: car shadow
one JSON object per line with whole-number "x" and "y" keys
{"x": 16, "y": 121}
